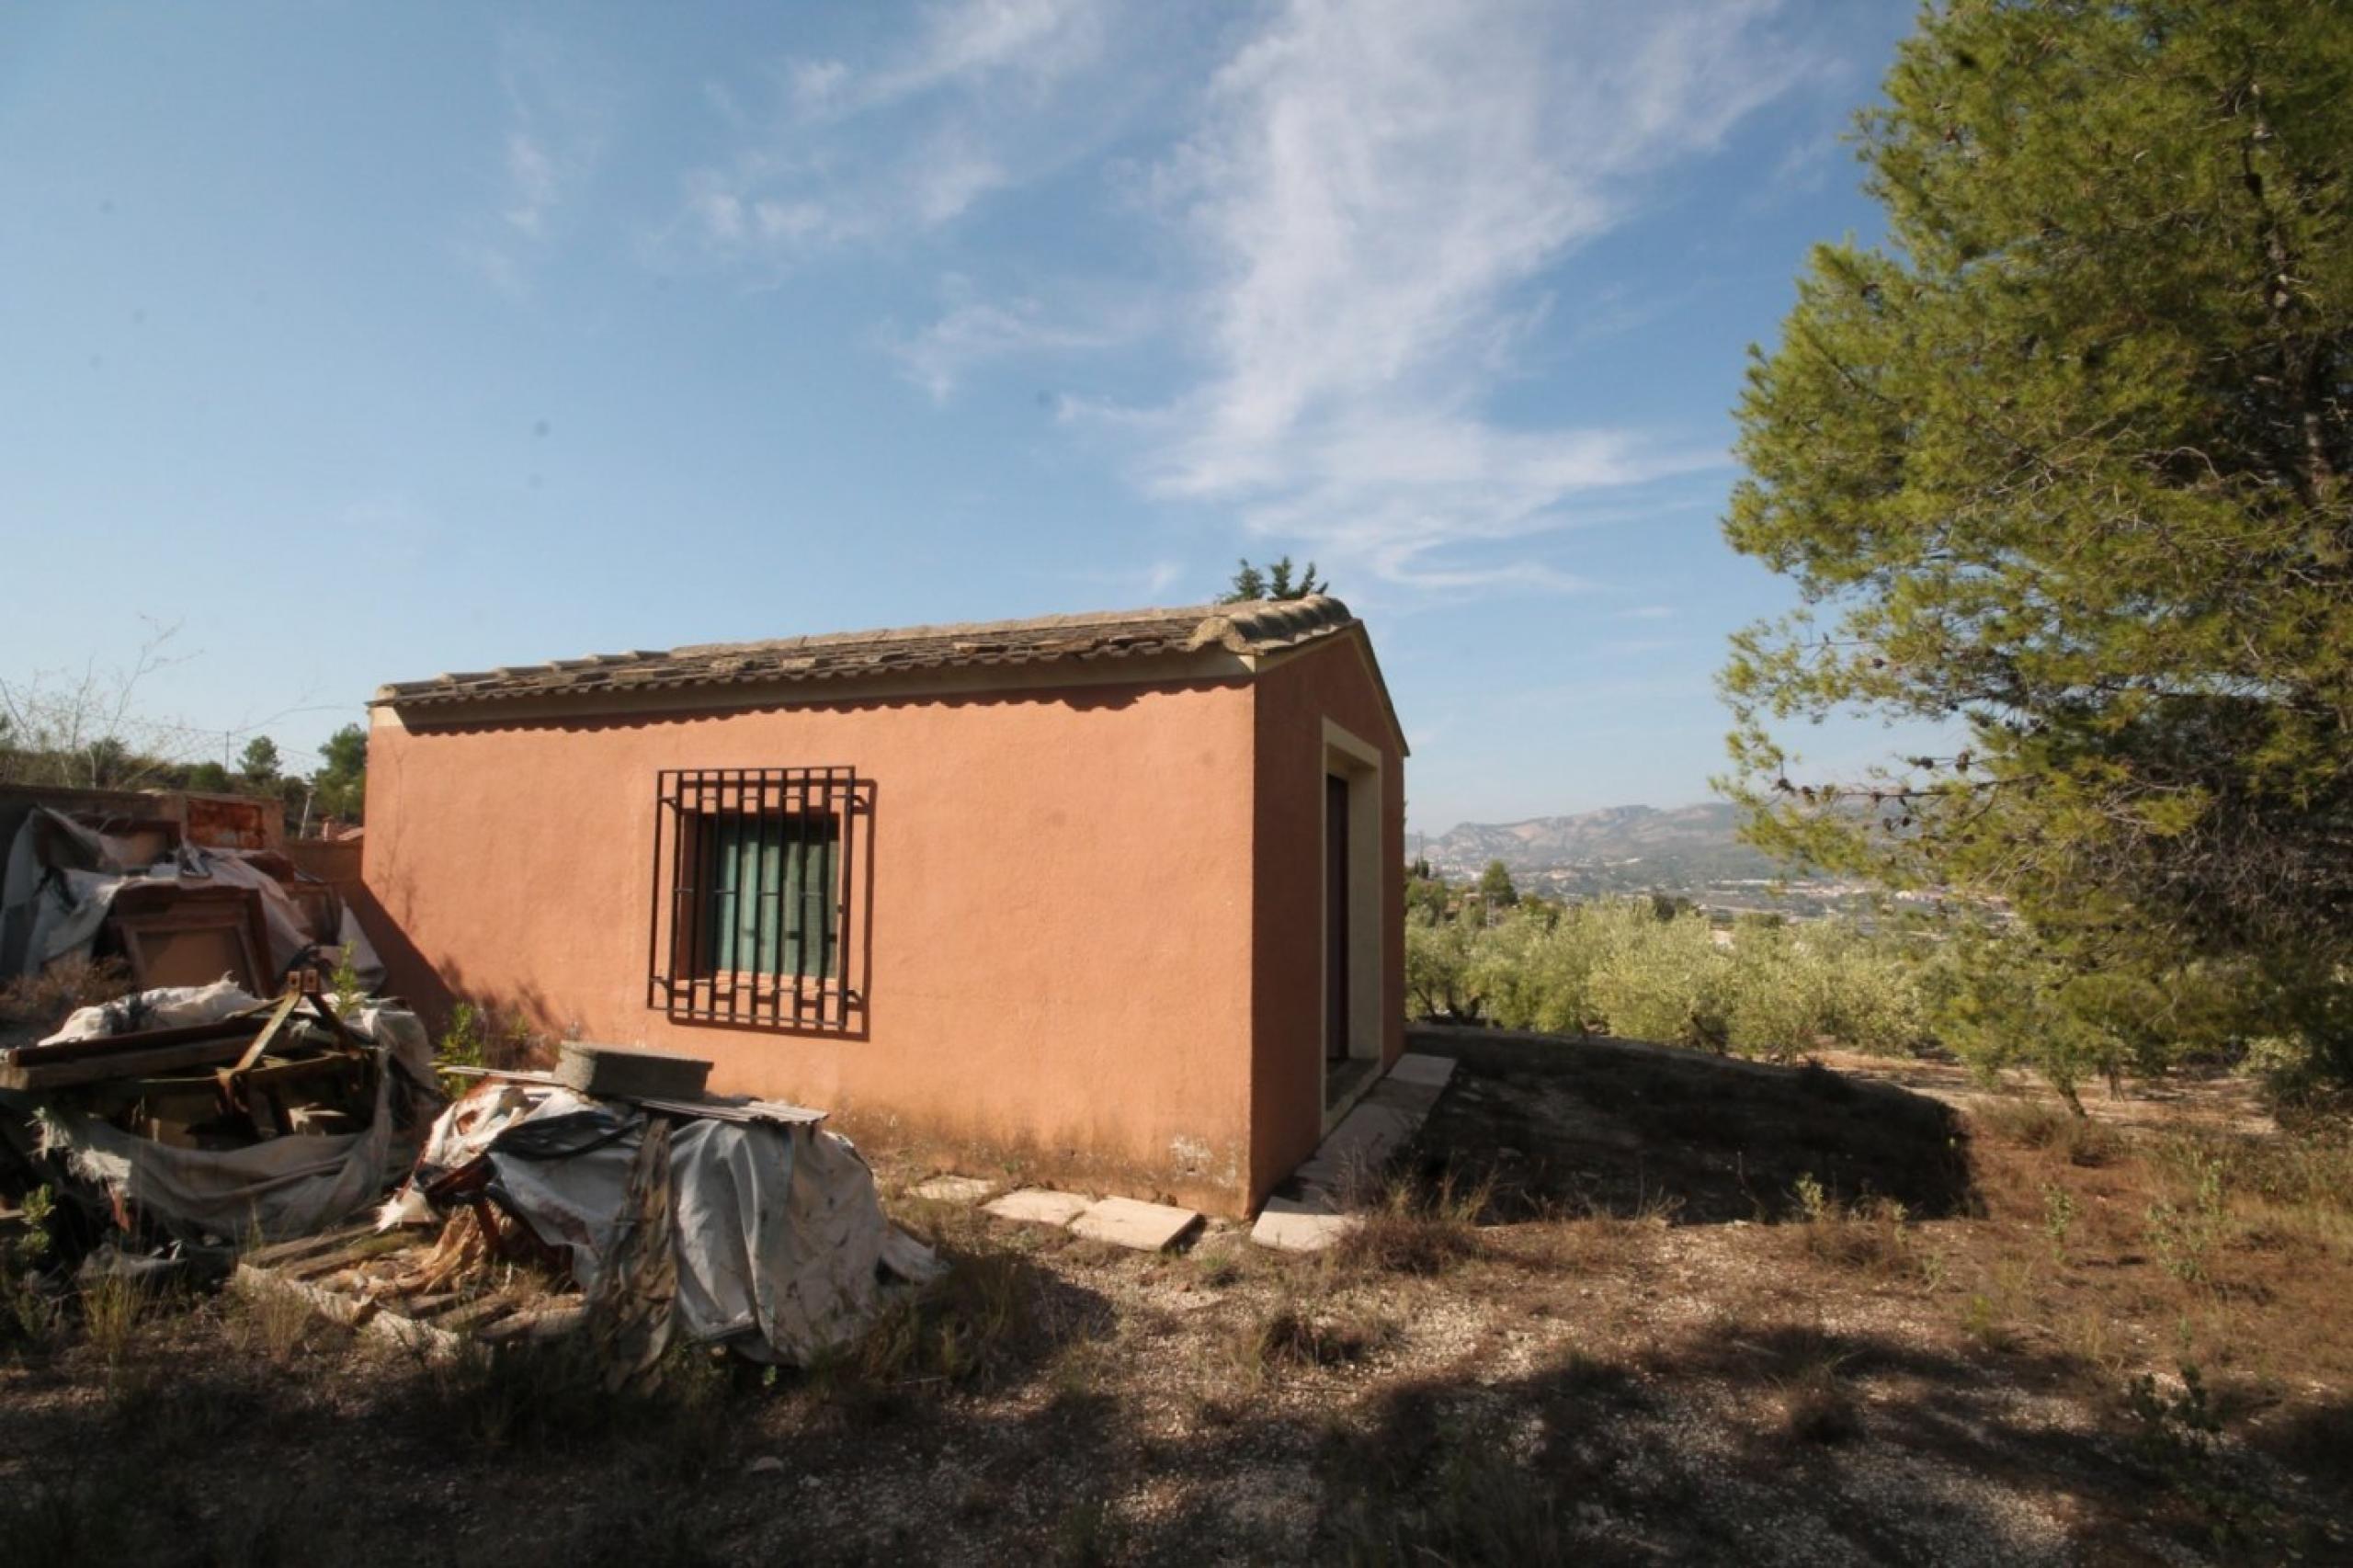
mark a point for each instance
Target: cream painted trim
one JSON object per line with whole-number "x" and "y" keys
{"x": 1162, "y": 670}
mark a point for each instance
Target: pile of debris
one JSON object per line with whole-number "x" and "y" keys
{"x": 180, "y": 890}
{"x": 640, "y": 1214}
{"x": 205, "y": 1117}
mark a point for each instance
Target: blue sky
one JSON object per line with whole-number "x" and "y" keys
{"x": 364, "y": 341}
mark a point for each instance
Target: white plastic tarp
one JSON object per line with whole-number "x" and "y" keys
{"x": 783, "y": 1247}
{"x": 166, "y": 1006}
{"x": 278, "y": 1189}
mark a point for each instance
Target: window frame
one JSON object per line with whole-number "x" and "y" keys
{"x": 684, "y": 938}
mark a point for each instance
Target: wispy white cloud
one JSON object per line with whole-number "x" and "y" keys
{"x": 1373, "y": 189}
{"x": 849, "y": 154}
{"x": 559, "y": 108}
{"x": 1648, "y": 612}
{"x": 975, "y": 331}
{"x": 1354, "y": 236}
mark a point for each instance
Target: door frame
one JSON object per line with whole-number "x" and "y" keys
{"x": 1357, "y": 763}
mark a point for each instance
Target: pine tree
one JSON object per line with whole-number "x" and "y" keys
{"x": 259, "y": 764}
{"x": 341, "y": 786}
{"x": 2061, "y": 469}
{"x": 1274, "y": 582}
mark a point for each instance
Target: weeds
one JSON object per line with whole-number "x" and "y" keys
{"x": 1479, "y": 1506}
{"x": 345, "y": 983}
{"x": 2040, "y": 1124}
{"x": 2183, "y": 1233}
{"x": 1869, "y": 1236}
{"x": 550, "y": 1393}
{"x": 1982, "y": 1323}
{"x": 27, "y": 1312}
{"x": 2058, "y": 1219}
{"x": 44, "y": 997}
{"x": 273, "y": 1320}
{"x": 113, "y": 1306}
{"x": 2180, "y": 1436}
{"x": 1817, "y": 1407}
{"x": 1416, "y": 1231}
{"x": 1087, "y": 1534}
{"x": 463, "y": 1044}
{"x": 1291, "y": 1334}
{"x": 967, "y": 1327}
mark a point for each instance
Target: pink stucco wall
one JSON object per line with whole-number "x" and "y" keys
{"x": 1064, "y": 906}
{"x": 1293, "y": 699}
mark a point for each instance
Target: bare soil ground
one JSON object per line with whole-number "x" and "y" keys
{"x": 1625, "y": 1304}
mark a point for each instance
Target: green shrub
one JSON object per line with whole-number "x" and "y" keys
{"x": 1662, "y": 980}
{"x": 1645, "y": 971}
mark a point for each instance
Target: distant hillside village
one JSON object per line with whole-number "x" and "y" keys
{"x": 1691, "y": 853}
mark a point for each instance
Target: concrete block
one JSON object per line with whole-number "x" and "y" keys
{"x": 1039, "y": 1205}
{"x": 1416, "y": 1067}
{"x": 629, "y": 1072}
{"x": 1125, "y": 1222}
{"x": 1297, "y": 1225}
{"x": 954, "y": 1189}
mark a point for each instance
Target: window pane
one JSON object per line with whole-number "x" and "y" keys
{"x": 770, "y": 908}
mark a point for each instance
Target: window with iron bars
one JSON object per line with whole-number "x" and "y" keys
{"x": 752, "y": 878}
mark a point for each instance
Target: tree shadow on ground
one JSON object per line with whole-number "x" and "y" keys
{"x": 1783, "y": 1444}
{"x": 196, "y": 1446}
{"x": 1554, "y": 1123}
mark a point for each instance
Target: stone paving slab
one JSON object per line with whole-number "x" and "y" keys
{"x": 954, "y": 1189}
{"x": 1039, "y": 1206}
{"x": 1351, "y": 1154}
{"x": 1419, "y": 1067}
{"x": 1125, "y": 1222}
{"x": 1293, "y": 1225}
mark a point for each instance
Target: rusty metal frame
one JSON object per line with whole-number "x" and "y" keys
{"x": 799, "y": 806}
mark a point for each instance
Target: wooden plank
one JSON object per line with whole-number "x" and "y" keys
{"x": 373, "y": 1244}
{"x": 482, "y": 1310}
{"x": 129, "y": 1065}
{"x": 135, "y": 1041}
{"x": 534, "y": 1323}
{"x": 278, "y": 1253}
{"x": 268, "y": 1032}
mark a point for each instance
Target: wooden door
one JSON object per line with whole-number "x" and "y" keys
{"x": 1335, "y": 918}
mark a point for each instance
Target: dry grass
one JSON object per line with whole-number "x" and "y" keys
{"x": 36, "y": 1003}
{"x": 1594, "y": 1373}
{"x": 272, "y": 1320}
{"x": 1292, "y": 1333}
{"x": 1416, "y": 1229}
{"x": 113, "y": 1306}
{"x": 1817, "y": 1406}
{"x": 2045, "y": 1124}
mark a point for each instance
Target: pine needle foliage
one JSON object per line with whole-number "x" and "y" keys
{"x": 2062, "y": 468}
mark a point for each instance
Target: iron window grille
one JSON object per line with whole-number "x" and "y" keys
{"x": 752, "y": 869}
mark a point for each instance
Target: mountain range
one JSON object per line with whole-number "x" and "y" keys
{"x": 1659, "y": 846}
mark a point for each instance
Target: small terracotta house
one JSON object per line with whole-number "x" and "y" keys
{"x": 1121, "y": 891}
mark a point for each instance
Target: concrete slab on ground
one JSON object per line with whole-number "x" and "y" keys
{"x": 1125, "y": 1222}
{"x": 1310, "y": 1215}
{"x": 1416, "y": 1067}
{"x": 1299, "y": 1225}
{"x": 954, "y": 1189}
{"x": 1039, "y": 1206}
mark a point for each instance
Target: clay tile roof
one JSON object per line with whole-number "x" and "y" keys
{"x": 1262, "y": 626}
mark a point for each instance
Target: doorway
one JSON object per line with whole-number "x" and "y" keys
{"x": 1351, "y": 1039}
{"x": 1335, "y": 919}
